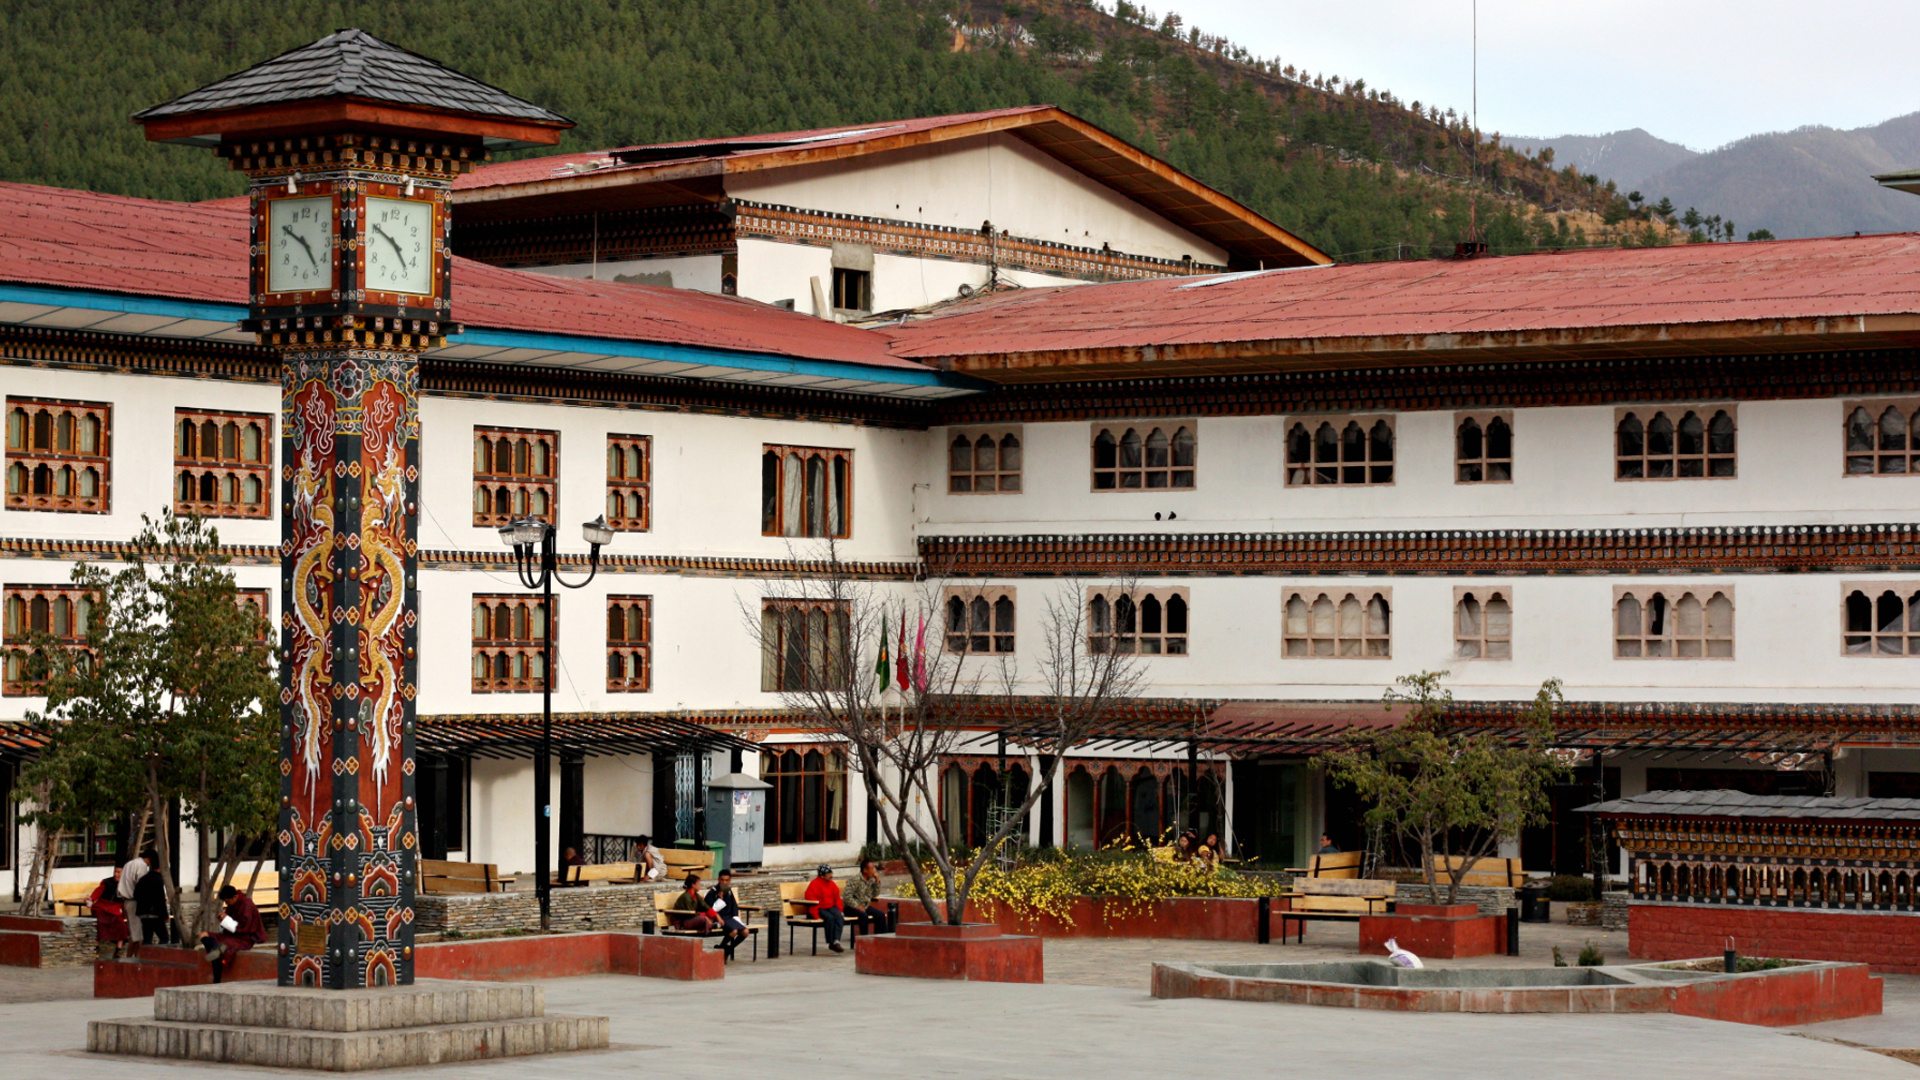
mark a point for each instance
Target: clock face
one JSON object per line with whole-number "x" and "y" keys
{"x": 398, "y": 242}
{"x": 299, "y": 245}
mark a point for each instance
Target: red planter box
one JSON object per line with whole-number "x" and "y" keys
{"x": 160, "y": 965}
{"x": 686, "y": 958}
{"x": 1441, "y": 931}
{"x": 978, "y": 952}
{"x": 1883, "y": 941}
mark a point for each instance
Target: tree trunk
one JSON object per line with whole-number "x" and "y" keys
{"x": 163, "y": 846}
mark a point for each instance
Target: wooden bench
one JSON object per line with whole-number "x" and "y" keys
{"x": 684, "y": 861}
{"x": 72, "y": 897}
{"x": 618, "y": 873}
{"x": 443, "y": 876}
{"x": 1345, "y": 864}
{"x": 668, "y": 921}
{"x": 1497, "y": 873}
{"x": 264, "y": 891}
{"x": 797, "y": 910}
{"x": 1333, "y": 899}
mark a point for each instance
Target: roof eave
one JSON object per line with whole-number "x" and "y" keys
{"x": 329, "y": 114}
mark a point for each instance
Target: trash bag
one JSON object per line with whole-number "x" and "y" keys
{"x": 1401, "y": 957}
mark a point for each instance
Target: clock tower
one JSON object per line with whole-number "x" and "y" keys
{"x": 350, "y": 146}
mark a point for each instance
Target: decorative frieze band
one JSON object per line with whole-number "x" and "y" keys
{"x": 1717, "y": 550}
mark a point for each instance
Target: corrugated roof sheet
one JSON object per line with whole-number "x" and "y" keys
{"x": 1698, "y": 283}
{"x": 1737, "y": 804}
{"x": 353, "y": 63}
{"x": 198, "y": 251}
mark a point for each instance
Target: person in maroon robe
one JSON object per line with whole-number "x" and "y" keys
{"x": 248, "y": 930}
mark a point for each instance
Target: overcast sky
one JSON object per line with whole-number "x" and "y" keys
{"x": 1698, "y": 72}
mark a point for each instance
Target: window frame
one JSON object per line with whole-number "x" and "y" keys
{"x": 493, "y": 481}
{"x": 1486, "y": 462}
{"x": 199, "y": 466}
{"x": 1483, "y": 595}
{"x": 833, "y": 764}
{"x": 773, "y": 503}
{"x": 1908, "y": 408}
{"x": 862, "y": 283}
{"x": 24, "y": 459}
{"x": 1293, "y": 475}
{"x": 17, "y": 630}
{"x": 620, "y": 487}
{"x": 1119, "y": 429}
{"x": 1671, "y": 597}
{"x": 628, "y": 648}
{"x": 1646, "y": 414}
{"x": 1337, "y": 596}
{"x": 1167, "y": 642}
{"x": 998, "y": 474}
{"x": 530, "y": 648}
{"x": 776, "y": 650}
{"x": 993, "y": 636}
{"x": 1873, "y": 592}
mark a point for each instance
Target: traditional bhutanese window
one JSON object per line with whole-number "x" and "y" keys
{"x": 35, "y": 617}
{"x": 630, "y": 482}
{"x": 222, "y": 464}
{"x": 1682, "y": 443}
{"x": 983, "y": 462}
{"x": 509, "y": 641}
{"x": 58, "y": 455}
{"x": 1883, "y": 619}
{"x": 1673, "y": 623}
{"x": 262, "y": 605}
{"x": 806, "y": 491}
{"x": 803, "y": 645}
{"x": 1339, "y": 623}
{"x": 1148, "y": 622}
{"x": 1883, "y": 438}
{"x": 1348, "y": 451}
{"x": 1145, "y": 457}
{"x": 1482, "y": 624}
{"x": 515, "y": 474}
{"x": 808, "y": 802}
{"x": 979, "y": 620}
{"x": 629, "y": 644}
{"x": 1483, "y": 448}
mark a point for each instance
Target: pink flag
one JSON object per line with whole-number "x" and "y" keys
{"x": 900, "y": 654}
{"x": 920, "y": 656}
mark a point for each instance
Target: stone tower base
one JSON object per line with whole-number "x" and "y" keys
{"x": 347, "y": 1030}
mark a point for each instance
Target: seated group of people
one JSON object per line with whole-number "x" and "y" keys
{"x": 718, "y": 910}
{"x": 1188, "y": 847}
{"x": 130, "y": 909}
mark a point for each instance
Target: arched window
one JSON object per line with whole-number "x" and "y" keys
{"x": 979, "y": 620}
{"x": 806, "y": 491}
{"x": 1883, "y": 438}
{"x": 509, "y": 636}
{"x": 1673, "y": 623}
{"x": 629, "y": 644}
{"x": 1151, "y": 622}
{"x": 1356, "y": 624}
{"x": 1676, "y": 443}
{"x": 1883, "y": 619}
{"x": 1483, "y": 448}
{"x": 1482, "y": 624}
{"x": 51, "y": 448}
{"x": 629, "y": 482}
{"x": 1147, "y": 457}
{"x": 520, "y": 467}
{"x": 1342, "y": 450}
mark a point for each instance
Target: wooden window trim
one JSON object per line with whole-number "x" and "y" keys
{"x": 834, "y": 764}
{"x": 1482, "y": 469}
{"x": 837, "y": 491}
{"x": 1315, "y": 470}
{"x": 1304, "y": 642}
{"x": 17, "y": 630}
{"x": 1631, "y": 467}
{"x": 622, "y": 490}
{"x": 261, "y": 601}
{"x": 1000, "y": 480}
{"x": 790, "y": 645}
{"x": 862, "y": 284}
{"x": 969, "y": 639}
{"x": 1486, "y": 642}
{"x": 499, "y": 652}
{"x": 1112, "y": 631}
{"x": 634, "y": 655}
{"x": 194, "y": 471}
{"x": 1880, "y": 460}
{"x": 1874, "y": 642}
{"x": 1671, "y": 644}
{"x": 1118, "y": 471}
{"x": 519, "y": 490}
{"x": 25, "y": 460}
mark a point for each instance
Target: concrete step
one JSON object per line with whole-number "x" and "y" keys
{"x": 425, "y": 1002}
{"x": 347, "y": 1051}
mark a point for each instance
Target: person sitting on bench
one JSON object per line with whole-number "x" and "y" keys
{"x": 653, "y": 865}
{"x": 726, "y": 908}
{"x": 860, "y": 899}
{"x": 240, "y": 930}
{"x": 826, "y": 905}
{"x": 701, "y": 919}
{"x": 1327, "y": 846}
{"x": 569, "y": 859}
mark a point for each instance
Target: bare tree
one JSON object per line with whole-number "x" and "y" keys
{"x": 820, "y": 642}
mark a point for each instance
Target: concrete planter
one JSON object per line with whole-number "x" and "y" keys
{"x": 977, "y": 952}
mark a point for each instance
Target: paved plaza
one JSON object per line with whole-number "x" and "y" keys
{"x": 803, "y": 1017}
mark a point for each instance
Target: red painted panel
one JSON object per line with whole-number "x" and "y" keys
{"x": 981, "y": 959}
{"x": 19, "y": 948}
{"x": 1883, "y": 941}
{"x": 685, "y": 958}
{"x": 31, "y": 923}
{"x": 1446, "y": 937}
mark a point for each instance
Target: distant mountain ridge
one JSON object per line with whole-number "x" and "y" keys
{"x": 1812, "y": 181}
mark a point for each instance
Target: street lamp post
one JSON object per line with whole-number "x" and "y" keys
{"x": 536, "y": 557}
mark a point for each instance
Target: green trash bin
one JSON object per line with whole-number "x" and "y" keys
{"x": 718, "y": 849}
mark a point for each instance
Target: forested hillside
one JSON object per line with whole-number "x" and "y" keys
{"x": 1356, "y": 171}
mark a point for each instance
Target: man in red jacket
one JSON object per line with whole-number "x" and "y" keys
{"x": 825, "y": 894}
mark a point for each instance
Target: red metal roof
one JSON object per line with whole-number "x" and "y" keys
{"x": 198, "y": 251}
{"x": 1433, "y": 305}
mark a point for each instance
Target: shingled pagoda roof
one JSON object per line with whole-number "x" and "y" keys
{"x": 354, "y": 64}
{"x": 1739, "y": 804}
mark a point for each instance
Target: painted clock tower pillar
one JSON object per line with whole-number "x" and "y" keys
{"x": 350, "y": 146}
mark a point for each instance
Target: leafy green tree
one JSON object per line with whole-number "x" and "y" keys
{"x": 1451, "y": 794}
{"x": 177, "y": 701}
{"x": 1760, "y": 234}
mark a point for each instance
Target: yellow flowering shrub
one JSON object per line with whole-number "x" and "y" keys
{"x": 1048, "y": 884}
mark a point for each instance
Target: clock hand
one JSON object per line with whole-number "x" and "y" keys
{"x": 401, "y": 255}
{"x": 302, "y": 241}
